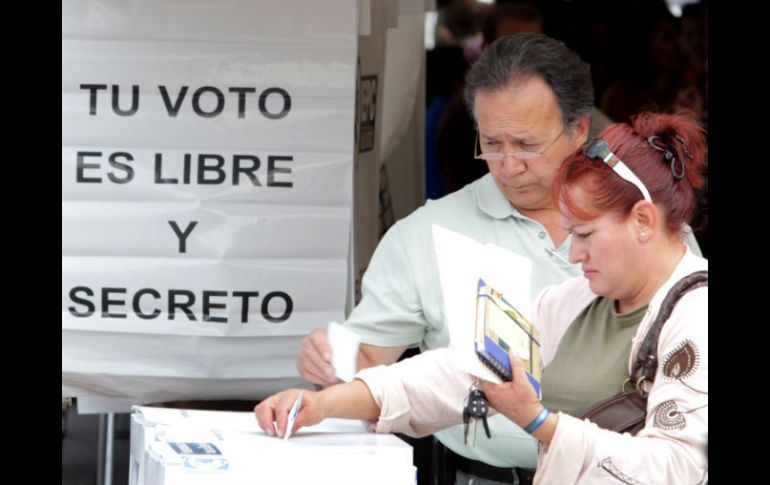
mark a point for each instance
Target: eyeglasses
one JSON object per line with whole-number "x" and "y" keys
{"x": 599, "y": 149}
{"x": 496, "y": 157}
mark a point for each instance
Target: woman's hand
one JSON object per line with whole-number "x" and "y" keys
{"x": 516, "y": 399}
{"x": 273, "y": 412}
{"x": 348, "y": 400}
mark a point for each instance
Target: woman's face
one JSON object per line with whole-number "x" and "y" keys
{"x": 606, "y": 247}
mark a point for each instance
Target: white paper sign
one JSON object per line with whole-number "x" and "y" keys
{"x": 207, "y": 167}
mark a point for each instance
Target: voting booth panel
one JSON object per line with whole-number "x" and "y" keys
{"x": 207, "y": 192}
{"x": 220, "y": 176}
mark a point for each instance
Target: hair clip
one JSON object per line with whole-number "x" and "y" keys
{"x": 684, "y": 146}
{"x": 669, "y": 155}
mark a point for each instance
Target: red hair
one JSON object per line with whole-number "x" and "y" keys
{"x": 609, "y": 192}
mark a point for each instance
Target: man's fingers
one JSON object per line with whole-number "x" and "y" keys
{"x": 317, "y": 374}
{"x": 321, "y": 343}
{"x": 314, "y": 363}
{"x": 314, "y": 367}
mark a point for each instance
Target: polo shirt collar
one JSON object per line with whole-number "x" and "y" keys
{"x": 492, "y": 201}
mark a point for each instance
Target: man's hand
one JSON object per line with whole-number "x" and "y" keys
{"x": 315, "y": 358}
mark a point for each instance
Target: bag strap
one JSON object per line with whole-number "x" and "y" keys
{"x": 646, "y": 357}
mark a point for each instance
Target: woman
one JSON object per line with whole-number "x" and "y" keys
{"x": 624, "y": 198}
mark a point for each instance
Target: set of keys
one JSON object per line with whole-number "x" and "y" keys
{"x": 476, "y": 408}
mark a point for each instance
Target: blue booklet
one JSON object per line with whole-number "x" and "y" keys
{"x": 500, "y": 328}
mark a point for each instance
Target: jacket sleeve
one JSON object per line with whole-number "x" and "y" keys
{"x": 420, "y": 395}
{"x": 671, "y": 447}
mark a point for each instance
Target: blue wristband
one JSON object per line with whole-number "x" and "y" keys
{"x": 540, "y": 419}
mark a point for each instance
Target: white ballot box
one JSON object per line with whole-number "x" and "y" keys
{"x": 188, "y": 447}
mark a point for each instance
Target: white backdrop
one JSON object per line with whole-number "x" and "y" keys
{"x": 225, "y": 183}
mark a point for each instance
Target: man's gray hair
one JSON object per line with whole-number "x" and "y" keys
{"x": 519, "y": 57}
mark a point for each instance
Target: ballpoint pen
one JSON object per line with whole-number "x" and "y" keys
{"x": 554, "y": 252}
{"x": 293, "y": 412}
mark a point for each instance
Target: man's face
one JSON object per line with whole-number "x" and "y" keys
{"x": 525, "y": 117}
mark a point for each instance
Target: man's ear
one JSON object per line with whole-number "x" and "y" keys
{"x": 580, "y": 130}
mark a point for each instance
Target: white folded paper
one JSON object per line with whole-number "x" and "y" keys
{"x": 344, "y": 344}
{"x": 504, "y": 270}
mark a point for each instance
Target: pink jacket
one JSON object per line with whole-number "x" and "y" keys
{"x": 424, "y": 394}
